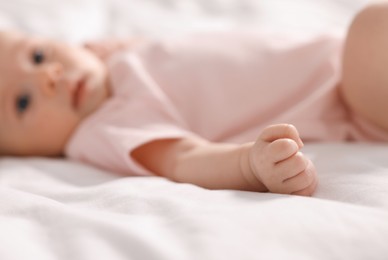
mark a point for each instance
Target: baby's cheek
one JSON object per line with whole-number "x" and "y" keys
{"x": 54, "y": 129}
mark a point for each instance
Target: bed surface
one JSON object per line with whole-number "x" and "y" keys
{"x": 53, "y": 209}
{"x": 57, "y": 209}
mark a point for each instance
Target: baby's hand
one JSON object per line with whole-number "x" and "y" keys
{"x": 104, "y": 48}
{"x": 276, "y": 161}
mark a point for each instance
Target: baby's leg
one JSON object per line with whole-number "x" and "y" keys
{"x": 275, "y": 160}
{"x": 365, "y": 61}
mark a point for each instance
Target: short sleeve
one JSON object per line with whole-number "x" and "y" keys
{"x": 137, "y": 113}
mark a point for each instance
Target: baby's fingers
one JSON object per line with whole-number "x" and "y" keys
{"x": 309, "y": 190}
{"x": 291, "y": 166}
{"x": 281, "y": 149}
{"x": 302, "y": 180}
{"x": 280, "y": 131}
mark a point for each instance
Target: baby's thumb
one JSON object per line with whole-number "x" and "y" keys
{"x": 274, "y": 132}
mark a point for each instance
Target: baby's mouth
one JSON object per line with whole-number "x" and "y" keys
{"x": 78, "y": 92}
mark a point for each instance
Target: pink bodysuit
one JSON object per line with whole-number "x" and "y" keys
{"x": 222, "y": 87}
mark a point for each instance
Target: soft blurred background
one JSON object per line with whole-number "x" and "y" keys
{"x": 80, "y": 20}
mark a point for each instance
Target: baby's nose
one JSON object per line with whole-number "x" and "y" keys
{"x": 49, "y": 77}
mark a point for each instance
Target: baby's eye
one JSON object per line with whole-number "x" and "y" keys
{"x": 22, "y": 103}
{"x": 38, "y": 56}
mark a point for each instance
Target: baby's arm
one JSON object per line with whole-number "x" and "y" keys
{"x": 272, "y": 163}
{"x": 104, "y": 48}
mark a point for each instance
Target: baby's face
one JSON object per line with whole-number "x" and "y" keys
{"x": 46, "y": 89}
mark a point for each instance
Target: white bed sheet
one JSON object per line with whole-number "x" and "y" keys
{"x": 56, "y": 209}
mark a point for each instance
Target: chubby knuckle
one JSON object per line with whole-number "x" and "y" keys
{"x": 289, "y": 130}
{"x": 265, "y": 132}
{"x": 310, "y": 168}
{"x": 273, "y": 147}
{"x": 275, "y": 180}
{"x": 278, "y": 128}
{"x": 284, "y": 145}
{"x": 305, "y": 179}
{"x": 300, "y": 161}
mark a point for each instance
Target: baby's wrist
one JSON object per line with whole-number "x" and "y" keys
{"x": 246, "y": 169}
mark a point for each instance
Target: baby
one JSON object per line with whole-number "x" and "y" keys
{"x": 219, "y": 111}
